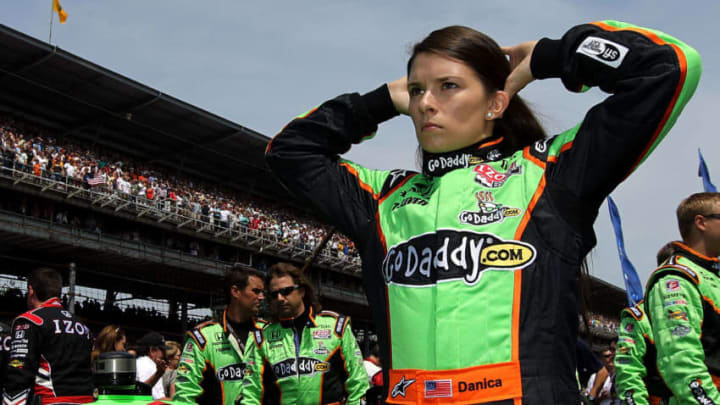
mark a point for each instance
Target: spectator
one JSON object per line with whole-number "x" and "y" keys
{"x": 151, "y": 365}
{"x": 110, "y": 339}
{"x": 374, "y": 371}
{"x": 607, "y": 395}
{"x": 173, "y": 359}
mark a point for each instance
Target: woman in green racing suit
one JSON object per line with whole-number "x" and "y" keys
{"x": 471, "y": 266}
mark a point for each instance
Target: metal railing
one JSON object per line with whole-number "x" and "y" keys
{"x": 168, "y": 211}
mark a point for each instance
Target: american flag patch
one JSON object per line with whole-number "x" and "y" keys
{"x": 438, "y": 389}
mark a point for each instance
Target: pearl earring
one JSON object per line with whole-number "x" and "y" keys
{"x": 489, "y": 115}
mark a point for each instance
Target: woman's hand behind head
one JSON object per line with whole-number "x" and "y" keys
{"x": 521, "y": 74}
{"x": 399, "y": 95}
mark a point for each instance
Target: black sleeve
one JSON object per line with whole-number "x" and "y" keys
{"x": 23, "y": 361}
{"x": 587, "y": 363}
{"x": 304, "y": 156}
{"x": 650, "y": 77}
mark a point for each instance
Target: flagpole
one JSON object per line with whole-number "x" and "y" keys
{"x": 51, "y": 21}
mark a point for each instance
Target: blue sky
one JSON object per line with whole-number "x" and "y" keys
{"x": 259, "y": 63}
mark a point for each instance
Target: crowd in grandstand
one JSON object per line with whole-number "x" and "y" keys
{"x": 30, "y": 149}
{"x": 601, "y": 322}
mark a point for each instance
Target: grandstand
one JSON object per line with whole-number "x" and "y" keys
{"x": 213, "y": 201}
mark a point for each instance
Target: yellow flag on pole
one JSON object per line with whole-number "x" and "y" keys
{"x": 61, "y": 13}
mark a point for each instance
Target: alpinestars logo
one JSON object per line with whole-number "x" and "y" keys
{"x": 699, "y": 393}
{"x": 490, "y": 211}
{"x": 449, "y": 254}
{"x": 401, "y": 387}
{"x": 629, "y": 400}
{"x": 419, "y": 193}
{"x": 489, "y": 177}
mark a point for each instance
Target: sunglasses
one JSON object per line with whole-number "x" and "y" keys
{"x": 713, "y": 216}
{"x": 284, "y": 291}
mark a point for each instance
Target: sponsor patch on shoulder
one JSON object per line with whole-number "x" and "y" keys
{"x": 607, "y": 52}
{"x": 199, "y": 338}
{"x": 672, "y": 285}
{"x": 677, "y": 315}
{"x": 680, "y": 331}
{"x": 674, "y": 302}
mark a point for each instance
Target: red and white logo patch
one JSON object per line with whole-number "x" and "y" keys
{"x": 672, "y": 285}
{"x": 489, "y": 177}
{"x": 321, "y": 334}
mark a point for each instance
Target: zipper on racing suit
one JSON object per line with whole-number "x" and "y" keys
{"x": 296, "y": 340}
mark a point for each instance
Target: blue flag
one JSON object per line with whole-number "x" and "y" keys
{"x": 633, "y": 286}
{"x": 703, "y": 172}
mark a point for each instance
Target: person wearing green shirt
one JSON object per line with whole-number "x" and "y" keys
{"x": 214, "y": 358}
{"x": 304, "y": 356}
{"x": 637, "y": 380}
{"x": 682, "y": 300}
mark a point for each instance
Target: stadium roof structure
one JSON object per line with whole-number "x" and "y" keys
{"x": 605, "y": 298}
{"x": 83, "y": 100}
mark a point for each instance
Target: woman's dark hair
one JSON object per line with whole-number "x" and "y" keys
{"x": 286, "y": 269}
{"x": 483, "y": 55}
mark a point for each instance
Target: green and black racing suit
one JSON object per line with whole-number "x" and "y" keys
{"x": 312, "y": 359}
{"x": 214, "y": 363}
{"x": 682, "y": 304}
{"x": 471, "y": 267}
{"x": 636, "y": 379}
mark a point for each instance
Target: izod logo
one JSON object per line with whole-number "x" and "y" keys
{"x": 449, "y": 254}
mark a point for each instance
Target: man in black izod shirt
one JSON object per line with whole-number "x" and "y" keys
{"x": 49, "y": 348}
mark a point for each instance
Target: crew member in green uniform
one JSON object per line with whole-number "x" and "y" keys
{"x": 311, "y": 357}
{"x": 682, "y": 303}
{"x": 637, "y": 380}
{"x": 213, "y": 362}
